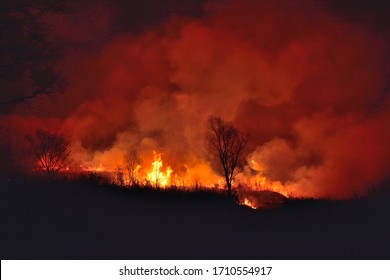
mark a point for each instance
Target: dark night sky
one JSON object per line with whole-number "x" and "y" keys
{"x": 136, "y": 15}
{"x": 139, "y": 15}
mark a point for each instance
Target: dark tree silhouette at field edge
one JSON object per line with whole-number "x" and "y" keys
{"x": 227, "y": 143}
{"x": 52, "y": 151}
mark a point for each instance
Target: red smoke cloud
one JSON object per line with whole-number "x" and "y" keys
{"x": 310, "y": 87}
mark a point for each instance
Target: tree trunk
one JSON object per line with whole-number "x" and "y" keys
{"x": 229, "y": 187}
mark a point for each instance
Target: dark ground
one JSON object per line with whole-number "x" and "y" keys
{"x": 82, "y": 220}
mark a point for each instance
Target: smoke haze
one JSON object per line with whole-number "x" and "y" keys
{"x": 309, "y": 85}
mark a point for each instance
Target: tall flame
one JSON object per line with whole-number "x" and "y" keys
{"x": 157, "y": 176}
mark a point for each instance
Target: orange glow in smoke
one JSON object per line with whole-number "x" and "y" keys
{"x": 260, "y": 182}
{"x": 155, "y": 89}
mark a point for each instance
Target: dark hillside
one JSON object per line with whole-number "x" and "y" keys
{"x": 84, "y": 220}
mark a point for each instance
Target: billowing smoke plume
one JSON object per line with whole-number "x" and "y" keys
{"x": 310, "y": 87}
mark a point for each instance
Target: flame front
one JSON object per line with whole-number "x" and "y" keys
{"x": 157, "y": 176}
{"x": 191, "y": 177}
{"x": 248, "y": 203}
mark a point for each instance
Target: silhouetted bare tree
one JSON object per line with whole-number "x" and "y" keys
{"x": 28, "y": 56}
{"x": 51, "y": 150}
{"x": 227, "y": 144}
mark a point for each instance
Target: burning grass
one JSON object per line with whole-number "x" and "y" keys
{"x": 159, "y": 177}
{"x": 255, "y": 199}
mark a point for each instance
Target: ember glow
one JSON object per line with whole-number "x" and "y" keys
{"x": 248, "y": 203}
{"x": 309, "y": 86}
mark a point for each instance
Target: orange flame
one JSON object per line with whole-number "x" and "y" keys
{"x": 248, "y": 203}
{"x": 99, "y": 168}
{"x": 157, "y": 176}
{"x": 194, "y": 175}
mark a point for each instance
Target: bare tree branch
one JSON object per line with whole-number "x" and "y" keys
{"x": 28, "y": 57}
{"x": 228, "y": 144}
{"x": 51, "y": 150}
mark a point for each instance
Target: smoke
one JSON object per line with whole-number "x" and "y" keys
{"x": 308, "y": 85}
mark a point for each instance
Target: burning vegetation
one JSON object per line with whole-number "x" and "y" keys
{"x": 49, "y": 152}
{"x": 309, "y": 86}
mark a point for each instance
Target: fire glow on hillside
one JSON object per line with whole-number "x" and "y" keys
{"x": 310, "y": 86}
{"x": 160, "y": 175}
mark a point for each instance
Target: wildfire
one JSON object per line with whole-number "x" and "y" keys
{"x": 99, "y": 168}
{"x": 260, "y": 182}
{"x": 248, "y": 203}
{"x": 264, "y": 184}
{"x": 157, "y": 176}
{"x": 193, "y": 176}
